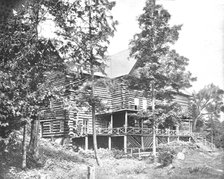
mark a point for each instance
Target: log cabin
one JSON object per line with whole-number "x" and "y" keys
{"x": 114, "y": 126}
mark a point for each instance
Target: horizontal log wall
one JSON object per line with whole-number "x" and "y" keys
{"x": 104, "y": 95}
{"x": 52, "y": 125}
{"x": 123, "y": 98}
{"x": 119, "y": 98}
{"x": 184, "y": 101}
{"x": 58, "y": 121}
{"x": 54, "y": 121}
{"x": 131, "y": 95}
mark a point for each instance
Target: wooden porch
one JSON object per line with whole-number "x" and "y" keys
{"x": 122, "y": 131}
{"x": 131, "y": 138}
{"x": 140, "y": 131}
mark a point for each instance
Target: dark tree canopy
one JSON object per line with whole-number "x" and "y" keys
{"x": 25, "y": 60}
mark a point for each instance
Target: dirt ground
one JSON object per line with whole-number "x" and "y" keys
{"x": 58, "y": 162}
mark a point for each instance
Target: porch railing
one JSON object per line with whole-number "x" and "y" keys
{"x": 140, "y": 131}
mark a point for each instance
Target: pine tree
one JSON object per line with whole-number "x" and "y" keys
{"x": 159, "y": 71}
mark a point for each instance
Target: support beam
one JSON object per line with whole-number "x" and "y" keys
{"x": 142, "y": 138}
{"x": 111, "y": 121}
{"x": 142, "y": 142}
{"x": 111, "y": 127}
{"x": 126, "y": 121}
{"x": 109, "y": 143}
{"x": 86, "y": 143}
{"x": 125, "y": 144}
{"x": 41, "y": 130}
{"x": 125, "y": 128}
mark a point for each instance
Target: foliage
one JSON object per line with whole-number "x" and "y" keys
{"x": 83, "y": 32}
{"x": 214, "y": 131}
{"x": 61, "y": 162}
{"x": 221, "y": 141}
{"x": 207, "y": 104}
{"x": 157, "y": 65}
{"x": 165, "y": 157}
{"x": 26, "y": 62}
{"x": 83, "y": 29}
{"x": 118, "y": 154}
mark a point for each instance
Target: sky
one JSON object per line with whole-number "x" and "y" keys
{"x": 201, "y": 38}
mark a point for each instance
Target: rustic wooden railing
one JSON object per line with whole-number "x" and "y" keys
{"x": 140, "y": 131}
{"x": 143, "y": 131}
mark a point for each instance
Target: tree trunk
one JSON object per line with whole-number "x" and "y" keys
{"x": 94, "y": 135}
{"x": 33, "y": 145}
{"x": 93, "y": 88}
{"x": 154, "y": 123}
{"x": 94, "y": 116}
{"x": 24, "y": 148}
{"x": 195, "y": 124}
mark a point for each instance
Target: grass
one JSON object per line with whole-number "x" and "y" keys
{"x": 59, "y": 162}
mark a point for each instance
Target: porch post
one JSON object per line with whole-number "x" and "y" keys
{"x": 86, "y": 142}
{"x": 111, "y": 127}
{"x": 142, "y": 138}
{"x": 125, "y": 129}
{"x": 111, "y": 121}
{"x": 109, "y": 142}
{"x": 41, "y": 130}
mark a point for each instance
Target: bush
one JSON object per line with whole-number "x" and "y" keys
{"x": 105, "y": 153}
{"x": 166, "y": 157}
{"x": 150, "y": 159}
{"x": 118, "y": 154}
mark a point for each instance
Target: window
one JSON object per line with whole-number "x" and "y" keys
{"x": 136, "y": 103}
{"x": 144, "y": 104}
{"x": 104, "y": 101}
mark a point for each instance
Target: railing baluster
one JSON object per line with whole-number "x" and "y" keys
{"x": 140, "y": 131}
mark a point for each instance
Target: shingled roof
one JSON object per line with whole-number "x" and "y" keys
{"x": 120, "y": 64}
